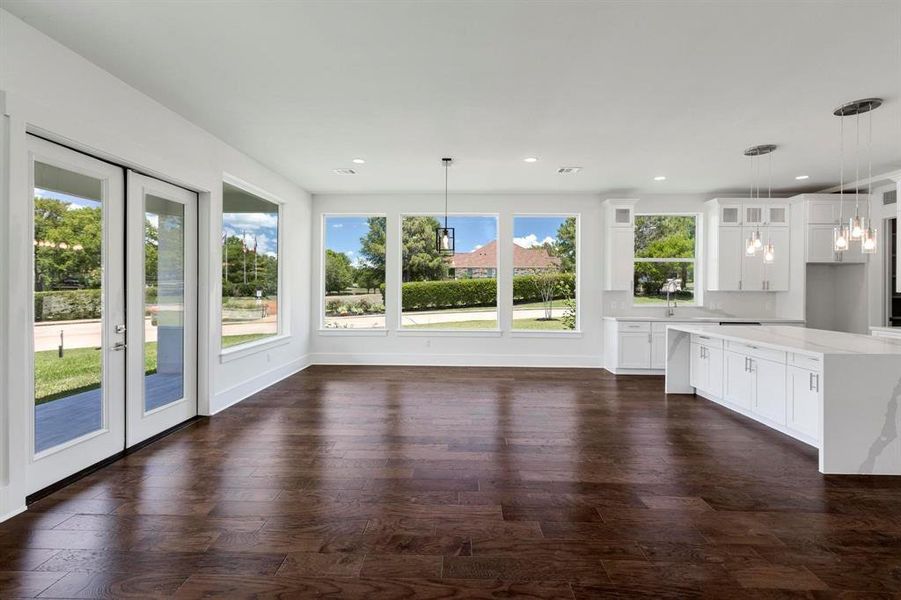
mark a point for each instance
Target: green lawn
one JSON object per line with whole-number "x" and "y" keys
{"x": 77, "y": 371}
{"x": 233, "y": 340}
{"x": 518, "y": 324}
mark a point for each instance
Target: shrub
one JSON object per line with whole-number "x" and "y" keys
{"x": 450, "y": 293}
{"x": 336, "y": 308}
{"x": 526, "y": 288}
{"x": 569, "y": 314}
{"x": 66, "y": 305}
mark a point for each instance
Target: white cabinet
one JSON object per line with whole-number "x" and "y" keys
{"x": 658, "y": 350}
{"x": 620, "y": 251}
{"x": 737, "y": 380}
{"x": 619, "y": 244}
{"x": 706, "y": 368}
{"x": 803, "y": 402}
{"x": 730, "y": 223}
{"x": 777, "y": 275}
{"x": 768, "y": 389}
{"x": 634, "y": 350}
{"x": 823, "y": 212}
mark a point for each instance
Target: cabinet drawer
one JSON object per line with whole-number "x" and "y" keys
{"x": 805, "y": 361}
{"x": 634, "y": 326}
{"x": 706, "y": 340}
{"x": 757, "y": 351}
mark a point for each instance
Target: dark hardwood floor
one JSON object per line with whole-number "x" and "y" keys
{"x": 369, "y": 482}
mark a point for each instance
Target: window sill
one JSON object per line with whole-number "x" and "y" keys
{"x": 449, "y": 333}
{"x": 250, "y": 348}
{"x": 571, "y": 334}
{"x": 337, "y": 331}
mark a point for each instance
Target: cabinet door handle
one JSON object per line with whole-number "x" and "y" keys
{"x": 815, "y": 381}
{"x": 746, "y": 364}
{"x": 810, "y": 382}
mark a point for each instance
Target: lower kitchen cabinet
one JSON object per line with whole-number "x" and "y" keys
{"x": 769, "y": 389}
{"x": 738, "y": 383}
{"x": 707, "y": 367}
{"x": 803, "y": 401}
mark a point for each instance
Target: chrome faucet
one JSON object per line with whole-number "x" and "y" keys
{"x": 670, "y": 309}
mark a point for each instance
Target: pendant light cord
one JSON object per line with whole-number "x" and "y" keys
{"x": 869, "y": 165}
{"x": 446, "y": 164}
{"x": 857, "y": 167}
{"x": 841, "y": 155}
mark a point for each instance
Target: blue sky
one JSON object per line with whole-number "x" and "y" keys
{"x": 75, "y": 201}
{"x": 343, "y": 234}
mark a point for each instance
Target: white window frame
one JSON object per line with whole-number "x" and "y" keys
{"x": 369, "y": 331}
{"x": 577, "y": 332}
{"x": 698, "y": 270}
{"x": 405, "y": 331}
{"x": 283, "y": 334}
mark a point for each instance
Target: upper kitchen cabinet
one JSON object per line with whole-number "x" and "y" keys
{"x": 619, "y": 221}
{"x": 822, "y": 213}
{"x": 730, "y": 221}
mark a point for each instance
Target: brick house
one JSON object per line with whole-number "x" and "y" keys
{"x": 482, "y": 262}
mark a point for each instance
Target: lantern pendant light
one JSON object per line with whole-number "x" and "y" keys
{"x": 754, "y": 243}
{"x": 444, "y": 236}
{"x": 858, "y": 229}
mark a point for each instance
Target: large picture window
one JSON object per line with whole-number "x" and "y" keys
{"x": 354, "y": 272}
{"x": 449, "y": 292}
{"x": 665, "y": 259}
{"x": 250, "y": 285}
{"x": 544, "y": 273}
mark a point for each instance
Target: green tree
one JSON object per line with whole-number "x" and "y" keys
{"x": 68, "y": 244}
{"x": 421, "y": 260}
{"x": 565, "y": 245}
{"x": 372, "y": 253}
{"x": 238, "y": 276}
{"x": 339, "y": 273}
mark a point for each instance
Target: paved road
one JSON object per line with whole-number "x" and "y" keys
{"x": 86, "y": 334}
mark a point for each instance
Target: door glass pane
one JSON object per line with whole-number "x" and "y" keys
{"x": 68, "y": 306}
{"x": 164, "y": 308}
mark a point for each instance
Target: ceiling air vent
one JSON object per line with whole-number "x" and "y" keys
{"x": 345, "y": 172}
{"x": 568, "y": 170}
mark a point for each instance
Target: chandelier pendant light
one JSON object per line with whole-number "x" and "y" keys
{"x": 444, "y": 236}
{"x": 755, "y": 243}
{"x": 859, "y": 229}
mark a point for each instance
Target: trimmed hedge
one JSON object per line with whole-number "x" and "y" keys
{"x": 66, "y": 305}
{"x": 460, "y": 293}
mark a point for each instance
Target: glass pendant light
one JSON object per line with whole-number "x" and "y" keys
{"x": 769, "y": 253}
{"x": 754, "y": 243}
{"x": 858, "y": 228}
{"x": 444, "y": 236}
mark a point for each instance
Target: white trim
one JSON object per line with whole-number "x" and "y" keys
{"x": 322, "y": 300}
{"x": 242, "y": 391}
{"x": 408, "y": 332}
{"x": 350, "y": 332}
{"x": 552, "y": 361}
{"x": 563, "y": 334}
{"x": 250, "y": 348}
{"x": 283, "y": 316}
{"x": 13, "y": 513}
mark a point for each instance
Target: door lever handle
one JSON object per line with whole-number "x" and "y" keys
{"x": 119, "y": 346}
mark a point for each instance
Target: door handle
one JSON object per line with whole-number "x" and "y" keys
{"x": 119, "y": 346}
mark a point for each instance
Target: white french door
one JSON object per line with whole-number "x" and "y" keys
{"x": 114, "y": 280}
{"x": 162, "y": 307}
{"x": 78, "y": 277}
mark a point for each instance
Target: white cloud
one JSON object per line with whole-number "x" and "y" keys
{"x": 476, "y": 247}
{"x": 531, "y": 241}
{"x": 337, "y": 225}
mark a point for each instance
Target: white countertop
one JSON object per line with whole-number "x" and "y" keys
{"x": 714, "y": 319}
{"x": 894, "y": 330}
{"x": 797, "y": 339}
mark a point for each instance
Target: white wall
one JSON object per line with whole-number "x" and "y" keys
{"x": 53, "y": 91}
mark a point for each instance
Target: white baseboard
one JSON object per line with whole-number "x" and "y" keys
{"x": 458, "y": 360}
{"x": 235, "y": 394}
{"x": 13, "y": 513}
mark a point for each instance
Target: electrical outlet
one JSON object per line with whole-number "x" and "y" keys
{"x": 428, "y": 343}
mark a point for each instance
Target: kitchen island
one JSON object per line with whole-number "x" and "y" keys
{"x": 838, "y": 392}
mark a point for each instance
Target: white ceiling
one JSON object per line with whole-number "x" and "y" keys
{"x": 626, "y": 90}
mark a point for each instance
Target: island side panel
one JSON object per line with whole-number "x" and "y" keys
{"x": 678, "y": 362}
{"x": 860, "y": 424}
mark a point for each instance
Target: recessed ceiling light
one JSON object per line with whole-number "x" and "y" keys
{"x": 530, "y": 159}
{"x": 344, "y": 171}
{"x": 802, "y": 177}
{"x": 358, "y": 161}
{"x": 568, "y": 170}
{"x": 660, "y": 178}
